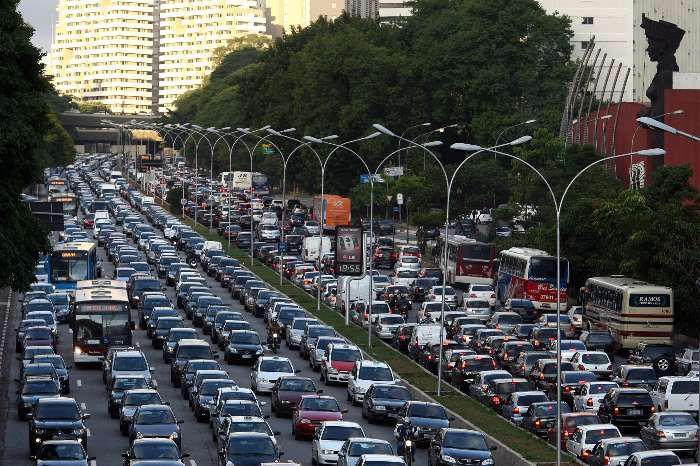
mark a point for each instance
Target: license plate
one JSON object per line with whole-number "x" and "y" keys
{"x": 246, "y": 356}
{"x": 634, "y": 412}
{"x": 380, "y": 408}
{"x": 680, "y": 435}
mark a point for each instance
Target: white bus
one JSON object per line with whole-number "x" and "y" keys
{"x": 632, "y": 310}
{"x": 526, "y": 273}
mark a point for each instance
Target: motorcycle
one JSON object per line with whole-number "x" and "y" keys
{"x": 274, "y": 343}
{"x": 409, "y": 446}
{"x": 402, "y": 306}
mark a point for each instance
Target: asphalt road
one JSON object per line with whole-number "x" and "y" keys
{"x": 105, "y": 441}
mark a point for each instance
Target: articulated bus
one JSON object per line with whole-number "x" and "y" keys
{"x": 468, "y": 261}
{"x": 632, "y": 310}
{"x": 72, "y": 262}
{"x": 526, "y": 273}
{"x": 101, "y": 318}
{"x": 69, "y": 201}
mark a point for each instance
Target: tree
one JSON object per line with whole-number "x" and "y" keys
{"x": 24, "y": 122}
{"x": 246, "y": 41}
{"x": 93, "y": 107}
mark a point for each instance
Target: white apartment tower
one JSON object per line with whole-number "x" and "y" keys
{"x": 190, "y": 31}
{"x": 102, "y": 51}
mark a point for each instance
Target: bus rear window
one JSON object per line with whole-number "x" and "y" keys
{"x": 476, "y": 251}
{"x": 546, "y": 267}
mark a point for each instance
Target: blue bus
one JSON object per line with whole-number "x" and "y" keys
{"x": 71, "y": 262}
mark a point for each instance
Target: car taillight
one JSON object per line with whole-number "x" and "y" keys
{"x": 565, "y": 433}
{"x": 516, "y": 410}
{"x": 616, "y": 411}
{"x": 493, "y": 295}
{"x": 585, "y": 454}
{"x": 653, "y": 408}
{"x": 589, "y": 402}
{"x": 541, "y": 375}
{"x": 606, "y": 460}
{"x": 493, "y": 363}
{"x": 472, "y": 295}
{"x": 581, "y": 367}
{"x": 495, "y": 400}
{"x": 537, "y": 424}
{"x": 567, "y": 389}
{"x": 609, "y": 367}
{"x": 661, "y": 434}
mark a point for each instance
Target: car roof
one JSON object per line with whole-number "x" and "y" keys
{"x": 341, "y": 424}
{"x": 596, "y": 426}
{"x": 129, "y": 354}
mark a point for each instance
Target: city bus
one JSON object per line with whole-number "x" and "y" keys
{"x": 468, "y": 261}
{"x": 69, "y": 201}
{"x": 101, "y": 318}
{"x": 632, "y": 310}
{"x": 71, "y": 262}
{"x": 101, "y": 283}
{"x": 57, "y": 185}
{"x": 526, "y": 273}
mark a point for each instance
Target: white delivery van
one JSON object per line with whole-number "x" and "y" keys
{"x": 212, "y": 245}
{"x": 425, "y": 334}
{"x": 311, "y": 249}
{"x": 351, "y": 289}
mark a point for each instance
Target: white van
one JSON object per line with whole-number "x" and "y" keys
{"x": 425, "y": 334}
{"x": 212, "y": 245}
{"x": 676, "y": 394}
{"x": 351, "y": 289}
{"x": 310, "y": 249}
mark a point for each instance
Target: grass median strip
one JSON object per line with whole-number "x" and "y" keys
{"x": 533, "y": 449}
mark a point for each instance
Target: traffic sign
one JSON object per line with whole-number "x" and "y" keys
{"x": 364, "y": 179}
{"x": 399, "y": 198}
{"x": 281, "y": 247}
{"x": 183, "y": 202}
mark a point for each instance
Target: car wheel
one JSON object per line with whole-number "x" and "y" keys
{"x": 662, "y": 365}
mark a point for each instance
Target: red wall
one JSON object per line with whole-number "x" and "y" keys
{"x": 680, "y": 150}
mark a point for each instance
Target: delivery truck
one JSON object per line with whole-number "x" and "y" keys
{"x": 337, "y": 210}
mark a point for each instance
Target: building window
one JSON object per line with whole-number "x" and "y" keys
{"x": 587, "y": 20}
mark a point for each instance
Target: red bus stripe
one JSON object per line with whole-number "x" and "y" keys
{"x": 642, "y": 333}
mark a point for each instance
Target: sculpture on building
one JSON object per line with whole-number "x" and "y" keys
{"x": 663, "y": 40}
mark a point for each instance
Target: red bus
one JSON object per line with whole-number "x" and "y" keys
{"x": 469, "y": 261}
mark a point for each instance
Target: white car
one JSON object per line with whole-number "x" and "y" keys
{"x": 409, "y": 262}
{"x": 481, "y": 292}
{"x": 267, "y": 370}
{"x": 364, "y": 374}
{"x": 404, "y": 276}
{"x": 550, "y": 320}
{"x": 312, "y": 228}
{"x": 590, "y": 395}
{"x": 436, "y": 292}
{"x": 615, "y": 451}
{"x": 379, "y": 284}
{"x": 329, "y": 438}
{"x": 384, "y": 325}
{"x": 576, "y": 316}
{"x": 581, "y": 443}
{"x": 597, "y": 362}
{"x": 268, "y": 232}
{"x": 568, "y": 348}
{"x": 478, "y": 307}
{"x": 269, "y": 218}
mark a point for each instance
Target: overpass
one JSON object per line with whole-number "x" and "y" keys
{"x": 87, "y": 129}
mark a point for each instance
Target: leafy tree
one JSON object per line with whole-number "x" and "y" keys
{"x": 24, "y": 122}
{"x": 246, "y": 41}
{"x": 93, "y": 107}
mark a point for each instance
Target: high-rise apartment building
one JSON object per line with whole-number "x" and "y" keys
{"x": 102, "y": 51}
{"x": 190, "y": 31}
{"x": 362, "y": 8}
{"x": 393, "y": 10}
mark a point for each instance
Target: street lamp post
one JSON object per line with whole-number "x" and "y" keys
{"x": 406, "y": 131}
{"x": 508, "y": 128}
{"x": 634, "y": 135}
{"x": 557, "y": 207}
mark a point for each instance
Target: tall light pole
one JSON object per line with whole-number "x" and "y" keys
{"x": 215, "y": 131}
{"x": 634, "y": 135}
{"x": 436, "y": 130}
{"x": 557, "y": 207}
{"x": 403, "y": 133}
{"x": 508, "y": 128}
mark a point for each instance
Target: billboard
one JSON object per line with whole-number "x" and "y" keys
{"x": 349, "y": 251}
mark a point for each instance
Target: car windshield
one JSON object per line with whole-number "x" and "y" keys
{"x": 245, "y": 338}
{"x": 169, "y": 323}
{"x": 276, "y": 365}
{"x": 625, "y": 448}
{"x": 642, "y": 373}
{"x": 152, "y": 451}
{"x": 346, "y": 355}
{"x": 595, "y": 435}
{"x": 341, "y": 432}
{"x": 202, "y": 365}
{"x": 155, "y": 416}
{"x": 527, "y": 400}
{"x": 358, "y": 449}
{"x": 236, "y": 325}
{"x": 40, "y": 387}
{"x": 391, "y": 320}
{"x": 177, "y": 334}
{"x": 381, "y": 374}
{"x": 550, "y": 409}
{"x": 477, "y": 304}
{"x": 209, "y": 388}
{"x": 241, "y": 409}
{"x": 578, "y": 377}
{"x": 59, "y": 299}
{"x": 251, "y": 446}
{"x": 194, "y": 352}
{"x": 245, "y": 426}
{"x": 55, "y": 360}
{"x": 634, "y": 399}
{"x": 600, "y": 388}
{"x": 409, "y": 260}
{"x": 320, "y": 404}
{"x": 297, "y": 385}
{"x": 62, "y": 452}
{"x": 129, "y": 383}
{"x": 584, "y": 420}
{"x": 146, "y": 284}
{"x": 58, "y": 411}
{"x": 407, "y": 274}
{"x": 29, "y": 353}
{"x": 130, "y": 364}
{"x": 595, "y": 358}
{"x": 38, "y": 333}
{"x": 600, "y": 338}
{"x": 427, "y": 410}
{"x": 321, "y": 331}
{"x": 664, "y": 459}
{"x": 573, "y": 345}
{"x": 392, "y": 393}
{"x": 674, "y": 420}
{"x": 138, "y": 399}
{"x": 509, "y": 319}
{"x": 301, "y": 324}
{"x": 465, "y": 441}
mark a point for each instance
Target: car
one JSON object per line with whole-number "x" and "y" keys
{"x": 192, "y": 367}
{"x": 31, "y": 390}
{"x": 459, "y": 446}
{"x": 653, "y": 458}
{"x": 597, "y": 362}
{"x": 287, "y": 391}
{"x": 311, "y": 411}
{"x": 155, "y": 421}
{"x": 450, "y": 296}
{"x": 384, "y": 325}
{"x": 228, "y": 407}
{"x": 127, "y": 362}
{"x": 244, "y": 346}
{"x": 626, "y": 407}
{"x": 311, "y": 335}
{"x": 363, "y": 375}
{"x": 118, "y": 387}
{"x": 61, "y": 305}
{"x": 162, "y": 328}
{"x": 204, "y": 395}
{"x": 675, "y": 394}
{"x": 62, "y": 370}
{"x": 505, "y": 321}
{"x": 568, "y": 348}
{"x": 426, "y": 418}
{"x": 232, "y": 424}
{"x": 589, "y": 395}
{"x": 635, "y": 376}
{"x": 316, "y": 356}
{"x": 329, "y": 439}
{"x": 355, "y": 447}
{"x": 249, "y": 448}
{"x": 63, "y": 452}
{"x": 144, "y": 451}
{"x": 339, "y": 359}
{"x": 185, "y": 350}
{"x": 569, "y": 423}
{"x": 39, "y": 336}
{"x": 478, "y": 307}
{"x": 542, "y": 416}
{"x": 550, "y": 321}
{"x": 170, "y": 341}
{"x": 517, "y": 404}
{"x": 480, "y": 291}
{"x": 615, "y": 451}
{"x": 661, "y": 357}
{"x": 598, "y": 340}
{"x": 266, "y": 371}
{"x": 20, "y": 331}
{"x": 56, "y": 419}
{"x": 575, "y": 314}
{"x": 671, "y": 431}
{"x": 581, "y": 442}
{"x": 524, "y": 307}
{"x": 295, "y": 331}
{"x": 131, "y": 401}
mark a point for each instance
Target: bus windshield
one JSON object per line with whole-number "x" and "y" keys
{"x": 69, "y": 269}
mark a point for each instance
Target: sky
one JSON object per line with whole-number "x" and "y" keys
{"x": 40, "y": 14}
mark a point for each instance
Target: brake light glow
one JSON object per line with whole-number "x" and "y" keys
{"x": 616, "y": 411}
{"x": 589, "y": 402}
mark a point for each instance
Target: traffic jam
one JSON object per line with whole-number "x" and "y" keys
{"x": 177, "y": 325}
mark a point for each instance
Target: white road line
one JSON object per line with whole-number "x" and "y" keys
{"x": 83, "y": 406}
{"x": 89, "y": 433}
{"x": 79, "y": 383}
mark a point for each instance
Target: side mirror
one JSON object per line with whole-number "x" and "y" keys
{"x": 179, "y": 421}
{"x": 221, "y": 452}
{"x": 92, "y": 458}
{"x": 86, "y": 415}
{"x": 493, "y": 448}
{"x": 343, "y": 411}
{"x": 216, "y": 356}
{"x": 297, "y": 371}
{"x": 133, "y": 325}
{"x": 151, "y": 370}
{"x": 263, "y": 403}
{"x": 69, "y": 368}
{"x": 185, "y": 455}
{"x": 267, "y": 416}
{"x": 125, "y": 455}
{"x": 166, "y": 403}
{"x": 280, "y": 453}
{"x": 318, "y": 392}
{"x": 451, "y": 418}
{"x": 32, "y": 457}
{"x": 17, "y": 380}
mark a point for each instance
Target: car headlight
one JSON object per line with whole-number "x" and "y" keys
{"x": 487, "y": 461}
{"x": 39, "y": 431}
{"x": 449, "y": 459}
{"x": 232, "y": 350}
{"x": 332, "y": 370}
{"x": 80, "y": 431}
{"x": 327, "y": 452}
{"x": 409, "y": 443}
{"x": 305, "y": 421}
{"x": 174, "y": 436}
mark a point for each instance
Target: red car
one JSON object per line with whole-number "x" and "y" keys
{"x": 311, "y": 411}
{"x": 89, "y": 221}
{"x": 287, "y": 391}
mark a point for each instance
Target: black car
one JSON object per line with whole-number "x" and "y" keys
{"x": 119, "y": 385}
{"x": 385, "y": 227}
{"x": 294, "y": 243}
{"x": 170, "y": 341}
{"x": 249, "y": 449}
{"x": 383, "y": 402}
{"x": 56, "y": 418}
{"x": 542, "y": 416}
{"x": 524, "y": 307}
{"x": 243, "y": 346}
{"x": 402, "y": 337}
{"x": 155, "y": 421}
{"x": 426, "y": 418}
{"x": 22, "y": 329}
{"x": 162, "y": 329}
{"x": 626, "y": 407}
{"x": 160, "y": 451}
{"x": 31, "y": 390}
{"x": 185, "y": 350}
{"x": 459, "y": 446}
{"x": 61, "y": 369}
{"x": 661, "y": 357}
{"x": 598, "y": 340}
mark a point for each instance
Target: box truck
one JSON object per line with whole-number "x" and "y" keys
{"x": 337, "y": 210}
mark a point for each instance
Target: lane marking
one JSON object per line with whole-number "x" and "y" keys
{"x": 83, "y": 406}
{"x": 79, "y": 383}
